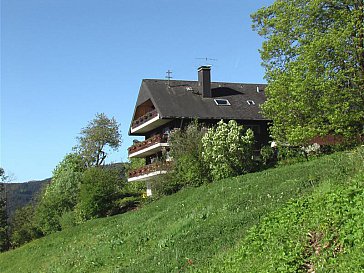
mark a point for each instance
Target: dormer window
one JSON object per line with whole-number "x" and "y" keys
{"x": 222, "y": 102}
{"x": 250, "y": 102}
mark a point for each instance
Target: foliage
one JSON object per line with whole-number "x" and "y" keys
{"x": 186, "y": 151}
{"x": 314, "y": 60}
{"x": 136, "y": 163}
{"x": 4, "y": 228}
{"x": 68, "y": 219}
{"x": 100, "y": 133}
{"x": 23, "y": 227}
{"x": 165, "y": 184}
{"x": 290, "y": 154}
{"x": 201, "y": 224}
{"x": 187, "y": 167}
{"x": 268, "y": 156}
{"x": 61, "y": 195}
{"x": 227, "y": 150}
{"x": 100, "y": 189}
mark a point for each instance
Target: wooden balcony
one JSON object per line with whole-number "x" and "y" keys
{"x": 149, "y": 171}
{"x": 147, "y": 122}
{"x": 148, "y": 147}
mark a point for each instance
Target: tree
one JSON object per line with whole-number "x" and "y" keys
{"x": 61, "y": 195}
{"x": 313, "y": 55}
{"x": 100, "y": 189}
{"x": 99, "y": 134}
{"x": 186, "y": 151}
{"x": 4, "y": 228}
{"x": 228, "y": 149}
{"x": 23, "y": 228}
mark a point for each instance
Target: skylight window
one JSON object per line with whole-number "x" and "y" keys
{"x": 222, "y": 102}
{"x": 250, "y": 102}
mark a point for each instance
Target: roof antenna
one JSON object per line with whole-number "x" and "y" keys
{"x": 207, "y": 60}
{"x": 169, "y": 77}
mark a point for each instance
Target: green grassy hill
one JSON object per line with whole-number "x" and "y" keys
{"x": 202, "y": 229}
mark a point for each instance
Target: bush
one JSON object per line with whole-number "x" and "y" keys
{"x": 100, "y": 189}
{"x": 130, "y": 196}
{"x": 290, "y": 154}
{"x": 23, "y": 228}
{"x": 228, "y": 150}
{"x": 68, "y": 220}
{"x": 187, "y": 168}
{"x": 186, "y": 151}
{"x": 268, "y": 157}
{"x": 165, "y": 184}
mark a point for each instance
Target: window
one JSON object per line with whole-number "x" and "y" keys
{"x": 222, "y": 102}
{"x": 250, "y": 102}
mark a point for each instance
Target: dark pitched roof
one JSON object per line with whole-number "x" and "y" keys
{"x": 182, "y": 99}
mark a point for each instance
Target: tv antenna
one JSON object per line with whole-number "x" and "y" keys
{"x": 207, "y": 60}
{"x": 168, "y": 76}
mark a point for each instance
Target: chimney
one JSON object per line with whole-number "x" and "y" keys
{"x": 204, "y": 81}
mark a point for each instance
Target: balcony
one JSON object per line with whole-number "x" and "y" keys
{"x": 149, "y": 171}
{"x": 147, "y": 122}
{"x": 148, "y": 147}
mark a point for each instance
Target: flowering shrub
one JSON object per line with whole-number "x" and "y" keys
{"x": 313, "y": 149}
{"x": 227, "y": 150}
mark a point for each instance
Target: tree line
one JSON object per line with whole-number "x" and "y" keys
{"x": 82, "y": 187}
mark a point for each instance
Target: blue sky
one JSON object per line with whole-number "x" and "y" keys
{"x": 63, "y": 61}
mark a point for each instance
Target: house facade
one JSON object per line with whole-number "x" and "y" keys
{"x": 164, "y": 105}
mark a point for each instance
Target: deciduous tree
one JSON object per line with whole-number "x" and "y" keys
{"x": 100, "y": 190}
{"x": 101, "y": 133}
{"x": 61, "y": 195}
{"x": 186, "y": 151}
{"x": 313, "y": 54}
{"x": 23, "y": 228}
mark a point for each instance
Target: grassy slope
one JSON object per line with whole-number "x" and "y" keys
{"x": 319, "y": 232}
{"x": 197, "y": 224}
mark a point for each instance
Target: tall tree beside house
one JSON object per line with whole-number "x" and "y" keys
{"x": 186, "y": 151}
{"x": 100, "y": 134}
{"x": 313, "y": 54}
{"x": 4, "y": 234}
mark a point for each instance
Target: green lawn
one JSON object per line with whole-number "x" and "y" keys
{"x": 201, "y": 225}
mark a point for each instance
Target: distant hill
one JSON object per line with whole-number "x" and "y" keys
{"x": 20, "y": 194}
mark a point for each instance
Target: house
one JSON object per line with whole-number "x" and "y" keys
{"x": 164, "y": 105}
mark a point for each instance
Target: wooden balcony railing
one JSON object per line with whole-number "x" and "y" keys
{"x": 147, "y": 143}
{"x": 158, "y": 166}
{"x": 143, "y": 119}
